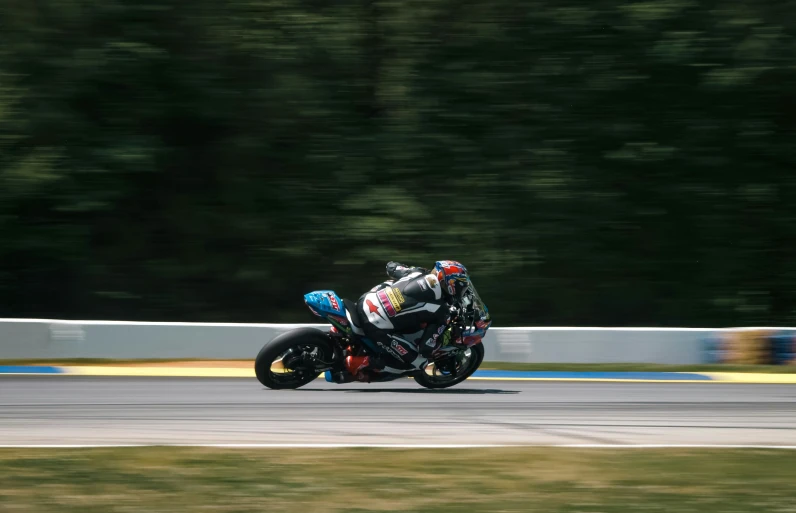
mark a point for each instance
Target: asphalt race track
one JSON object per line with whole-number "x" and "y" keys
{"x": 67, "y": 410}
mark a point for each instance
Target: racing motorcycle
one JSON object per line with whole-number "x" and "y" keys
{"x": 299, "y": 356}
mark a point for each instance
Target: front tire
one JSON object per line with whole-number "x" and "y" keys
{"x": 299, "y": 340}
{"x": 433, "y": 381}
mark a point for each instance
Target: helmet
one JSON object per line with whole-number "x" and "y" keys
{"x": 452, "y": 277}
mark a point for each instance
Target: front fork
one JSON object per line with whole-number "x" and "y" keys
{"x": 447, "y": 358}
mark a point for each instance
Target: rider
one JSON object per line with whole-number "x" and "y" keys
{"x": 405, "y": 318}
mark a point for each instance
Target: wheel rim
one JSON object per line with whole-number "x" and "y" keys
{"x": 285, "y": 370}
{"x": 465, "y": 361}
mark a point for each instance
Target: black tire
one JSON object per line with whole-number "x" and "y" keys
{"x": 476, "y": 358}
{"x": 281, "y": 343}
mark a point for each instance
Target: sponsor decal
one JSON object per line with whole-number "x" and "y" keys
{"x": 452, "y": 287}
{"x": 422, "y": 284}
{"x": 398, "y": 347}
{"x": 480, "y": 324}
{"x": 385, "y": 302}
{"x": 373, "y": 308}
{"x": 333, "y": 301}
{"x": 396, "y": 298}
{"x": 390, "y": 351}
{"x": 433, "y": 340}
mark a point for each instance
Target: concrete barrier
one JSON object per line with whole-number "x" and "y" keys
{"x": 595, "y": 345}
{"x": 54, "y": 339}
{"x": 47, "y": 338}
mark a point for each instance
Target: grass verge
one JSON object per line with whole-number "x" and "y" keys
{"x": 177, "y": 480}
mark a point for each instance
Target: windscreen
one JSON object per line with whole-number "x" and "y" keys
{"x": 474, "y": 301}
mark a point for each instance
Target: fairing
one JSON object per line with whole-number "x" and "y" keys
{"x": 480, "y": 318}
{"x": 328, "y": 305}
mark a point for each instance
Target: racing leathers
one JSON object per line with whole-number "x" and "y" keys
{"x": 404, "y": 318}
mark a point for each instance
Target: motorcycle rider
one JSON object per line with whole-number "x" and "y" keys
{"x": 404, "y": 319}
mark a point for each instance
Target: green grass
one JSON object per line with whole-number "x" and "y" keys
{"x": 176, "y": 480}
{"x": 582, "y": 367}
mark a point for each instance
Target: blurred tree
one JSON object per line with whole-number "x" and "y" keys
{"x": 593, "y": 163}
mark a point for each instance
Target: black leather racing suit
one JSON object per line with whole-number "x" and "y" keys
{"x": 404, "y": 318}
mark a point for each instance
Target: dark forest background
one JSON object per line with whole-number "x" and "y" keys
{"x": 604, "y": 163}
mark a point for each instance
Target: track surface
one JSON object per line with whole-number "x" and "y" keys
{"x": 95, "y": 410}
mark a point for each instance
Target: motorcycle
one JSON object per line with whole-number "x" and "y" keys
{"x": 299, "y": 356}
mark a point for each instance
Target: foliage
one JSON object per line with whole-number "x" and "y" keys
{"x": 592, "y": 163}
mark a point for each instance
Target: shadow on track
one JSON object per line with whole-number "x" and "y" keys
{"x": 452, "y": 391}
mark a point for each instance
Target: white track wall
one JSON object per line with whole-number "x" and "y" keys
{"x": 44, "y": 338}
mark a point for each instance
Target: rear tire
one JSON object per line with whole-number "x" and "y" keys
{"x": 477, "y": 356}
{"x": 281, "y": 343}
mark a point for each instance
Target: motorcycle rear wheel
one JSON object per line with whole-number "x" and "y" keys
{"x": 269, "y": 365}
{"x": 432, "y": 377}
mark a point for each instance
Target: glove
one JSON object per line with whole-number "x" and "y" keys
{"x": 393, "y": 268}
{"x": 398, "y": 270}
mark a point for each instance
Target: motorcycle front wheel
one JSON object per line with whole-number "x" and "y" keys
{"x": 441, "y": 373}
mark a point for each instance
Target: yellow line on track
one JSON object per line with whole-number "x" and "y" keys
{"x": 200, "y": 372}
{"x": 205, "y": 372}
{"x": 748, "y": 377}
